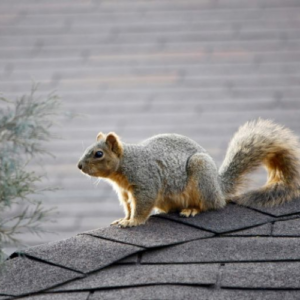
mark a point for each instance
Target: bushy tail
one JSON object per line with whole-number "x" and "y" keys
{"x": 262, "y": 142}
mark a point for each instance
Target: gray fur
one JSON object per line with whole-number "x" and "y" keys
{"x": 262, "y": 142}
{"x": 157, "y": 162}
{"x": 202, "y": 166}
{"x": 170, "y": 171}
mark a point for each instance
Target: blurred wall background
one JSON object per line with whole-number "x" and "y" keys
{"x": 199, "y": 68}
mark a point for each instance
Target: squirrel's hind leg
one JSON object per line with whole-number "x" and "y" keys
{"x": 203, "y": 171}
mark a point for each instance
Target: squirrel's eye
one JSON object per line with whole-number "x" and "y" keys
{"x": 99, "y": 154}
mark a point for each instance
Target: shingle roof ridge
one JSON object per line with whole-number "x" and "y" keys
{"x": 100, "y": 251}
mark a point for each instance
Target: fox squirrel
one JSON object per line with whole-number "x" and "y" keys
{"x": 171, "y": 172}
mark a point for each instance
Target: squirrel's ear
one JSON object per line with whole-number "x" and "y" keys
{"x": 114, "y": 143}
{"x": 100, "y": 136}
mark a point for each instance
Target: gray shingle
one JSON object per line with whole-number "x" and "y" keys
{"x": 288, "y": 208}
{"x": 129, "y": 260}
{"x": 262, "y": 230}
{"x": 287, "y": 228}
{"x": 283, "y": 275}
{"x": 254, "y": 295}
{"x": 153, "y": 292}
{"x": 227, "y": 249}
{"x": 135, "y": 275}
{"x": 156, "y": 232}
{"x": 232, "y": 217}
{"x": 59, "y": 296}
{"x": 167, "y": 292}
{"x": 21, "y": 276}
{"x": 82, "y": 253}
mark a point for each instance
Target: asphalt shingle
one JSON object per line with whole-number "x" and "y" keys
{"x": 129, "y": 260}
{"x": 287, "y": 228}
{"x": 228, "y": 249}
{"x": 60, "y": 296}
{"x": 135, "y": 275}
{"x": 82, "y": 253}
{"x": 280, "y": 275}
{"x": 254, "y": 295}
{"x": 159, "y": 292}
{"x": 288, "y": 208}
{"x": 20, "y": 276}
{"x": 232, "y": 217}
{"x": 155, "y": 233}
{"x": 262, "y": 230}
{"x": 167, "y": 292}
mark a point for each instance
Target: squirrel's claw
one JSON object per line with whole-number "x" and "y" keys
{"x": 116, "y": 222}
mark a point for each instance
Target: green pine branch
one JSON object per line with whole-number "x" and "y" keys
{"x": 25, "y": 127}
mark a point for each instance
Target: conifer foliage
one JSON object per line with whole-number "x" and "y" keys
{"x": 25, "y": 128}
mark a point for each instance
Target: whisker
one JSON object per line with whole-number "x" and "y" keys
{"x": 97, "y": 181}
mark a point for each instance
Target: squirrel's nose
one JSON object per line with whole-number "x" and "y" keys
{"x": 80, "y": 165}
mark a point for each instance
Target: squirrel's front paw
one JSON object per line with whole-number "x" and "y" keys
{"x": 116, "y": 222}
{"x": 129, "y": 223}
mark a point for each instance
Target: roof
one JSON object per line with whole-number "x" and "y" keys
{"x": 200, "y": 68}
{"x": 233, "y": 253}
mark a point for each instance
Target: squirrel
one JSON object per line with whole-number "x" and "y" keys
{"x": 171, "y": 172}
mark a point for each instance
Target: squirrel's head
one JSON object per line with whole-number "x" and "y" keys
{"x": 102, "y": 159}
